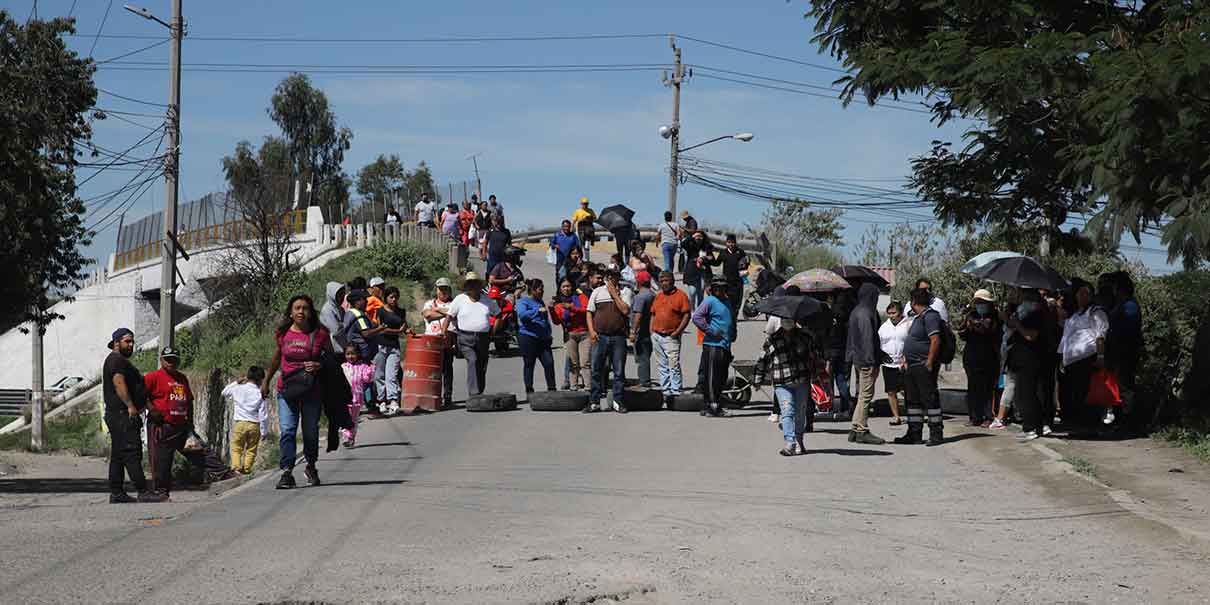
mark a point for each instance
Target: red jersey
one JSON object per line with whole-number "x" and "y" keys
{"x": 170, "y": 395}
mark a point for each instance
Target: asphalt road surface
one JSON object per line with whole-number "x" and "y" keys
{"x": 659, "y": 507}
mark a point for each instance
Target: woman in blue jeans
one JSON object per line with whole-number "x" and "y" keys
{"x": 534, "y": 338}
{"x": 301, "y": 344}
{"x": 670, "y": 237}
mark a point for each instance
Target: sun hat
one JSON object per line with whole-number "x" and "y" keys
{"x": 377, "y": 281}
{"x": 983, "y": 294}
{"x": 471, "y": 276}
{"x": 444, "y": 282}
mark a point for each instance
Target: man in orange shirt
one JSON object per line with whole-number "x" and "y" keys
{"x": 670, "y": 313}
{"x": 170, "y": 416}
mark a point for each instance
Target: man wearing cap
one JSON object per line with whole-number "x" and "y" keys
{"x": 435, "y": 320}
{"x": 981, "y": 330}
{"x": 374, "y": 300}
{"x": 582, "y": 224}
{"x": 170, "y": 420}
{"x": 125, "y": 397}
{"x": 713, "y": 317}
{"x": 470, "y": 315}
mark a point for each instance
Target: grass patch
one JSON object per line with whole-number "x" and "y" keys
{"x": 78, "y": 434}
{"x": 1195, "y": 440}
{"x": 1082, "y": 466}
{"x": 6, "y": 419}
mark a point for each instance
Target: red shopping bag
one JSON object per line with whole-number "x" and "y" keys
{"x": 1103, "y": 389}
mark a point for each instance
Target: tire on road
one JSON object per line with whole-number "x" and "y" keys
{"x": 649, "y": 400}
{"x": 491, "y": 402}
{"x": 953, "y": 401}
{"x": 688, "y": 402}
{"x": 557, "y": 401}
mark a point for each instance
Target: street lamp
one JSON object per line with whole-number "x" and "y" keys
{"x": 672, "y": 132}
{"x": 171, "y": 170}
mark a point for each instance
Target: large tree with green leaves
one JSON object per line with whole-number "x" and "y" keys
{"x": 46, "y": 91}
{"x": 801, "y": 233}
{"x": 315, "y": 143}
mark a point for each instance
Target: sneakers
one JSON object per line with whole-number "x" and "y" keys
{"x": 391, "y": 408}
{"x": 591, "y": 408}
{"x": 774, "y": 417}
{"x": 791, "y": 449}
{"x": 150, "y": 497}
{"x": 997, "y": 425}
{"x": 1025, "y": 436}
{"x": 312, "y": 475}
{"x": 121, "y": 498}
{"x": 619, "y": 408}
{"x": 286, "y": 481}
{"x": 1109, "y": 417}
{"x": 865, "y": 438}
{"x": 1046, "y": 430}
{"x": 566, "y": 386}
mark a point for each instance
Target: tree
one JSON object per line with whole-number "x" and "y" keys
{"x": 418, "y": 183}
{"x": 794, "y": 228}
{"x": 381, "y": 182}
{"x": 315, "y": 145}
{"x": 45, "y": 92}
{"x": 259, "y": 188}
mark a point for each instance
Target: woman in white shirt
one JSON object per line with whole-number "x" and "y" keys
{"x": 1083, "y": 350}
{"x": 892, "y": 334}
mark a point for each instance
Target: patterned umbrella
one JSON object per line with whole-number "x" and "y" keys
{"x": 860, "y": 274}
{"x": 818, "y": 280}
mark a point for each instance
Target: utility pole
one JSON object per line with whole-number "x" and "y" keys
{"x": 478, "y": 181}
{"x": 37, "y": 424}
{"x": 172, "y": 168}
{"x": 678, "y": 76}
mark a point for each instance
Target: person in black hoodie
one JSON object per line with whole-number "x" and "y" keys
{"x": 838, "y": 341}
{"x": 863, "y": 349}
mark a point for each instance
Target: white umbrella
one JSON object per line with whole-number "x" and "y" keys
{"x": 983, "y": 259}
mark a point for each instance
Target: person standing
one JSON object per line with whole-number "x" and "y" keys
{"x": 734, "y": 266}
{"x": 891, "y": 336}
{"x": 670, "y": 314}
{"x": 838, "y": 340}
{"x": 863, "y": 350}
{"x": 608, "y": 308}
{"x": 360, "y": 375}
{"x": 689, "y": 224}
{"x": 534, "y": 335}
{"x": 1124, "y": 347}
{"x": 466, "y": 219}
{"x": 713, "y": 318}
{"x": 622, "y": 236}
{"x": 332, "y": 316}
{"x": 374, "y": 298}
{"x": 640, "y": 261}
{"x": 1026, "y": 351}
{"x": 670, "y": 239}
{"x": 570, "y": 311}
{"x": 495, "y": 243}
{"x": 496, "y": 208}
{"x": 392, "y": 321}
{"x": 124, "y": 395}
{"x": 170, "y": 420}
{"x": 981, "y": 356}
{"x": 449, "y": 222}
{"x": 563, "y": 243}
{"x": 1083, "y": 349}
{"x": 699, "y": 256}
{"x": 640, "y": 327}
{"x": 434, "y": 313}
{"x": 359, "y": 330}
{"x": 301, "y": 344}
{"x": 935, "y": 302}
{"x": 470, "y": 314}
{"x": 921, "y": 352}
{"x": 392, "y": 216}
{"x": 786, "y": 361}
{"x": 425, "y": 210}
{"x": 582, "y": 223}
{"x": 249, "y": 416}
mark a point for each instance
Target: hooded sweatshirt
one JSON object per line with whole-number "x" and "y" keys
{"x": 331, "y": 316}
{"x": 864, "y": 347}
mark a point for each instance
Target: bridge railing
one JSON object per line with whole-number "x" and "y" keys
{"x": 295, "y": 222}
{"x": 752, "y": 246}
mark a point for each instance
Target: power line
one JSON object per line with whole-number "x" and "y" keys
{"x": 804, "y": 92}
{"x": 792, "y": 83}
{"x": 432, "y": 40}
{"x": 100, "y": 29}
{"x": 131, "y": 99}
{"x": 135, "y": 52}
{"x": 761, "y": 54}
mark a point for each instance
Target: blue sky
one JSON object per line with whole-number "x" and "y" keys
{"x": 545, "y": 139}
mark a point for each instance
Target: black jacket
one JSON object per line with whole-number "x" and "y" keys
{"x": 864, "y": 349}
{"x": 337, "y": 395}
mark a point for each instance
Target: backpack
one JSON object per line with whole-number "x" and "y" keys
{"x": 949, "y": 344}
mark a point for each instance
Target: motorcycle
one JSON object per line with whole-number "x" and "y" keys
{"x": 504, "y": 326}
{"x": 766, "y": 282}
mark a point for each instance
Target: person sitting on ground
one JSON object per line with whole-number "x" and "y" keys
{"x": 608, "y": 308}
{"x": 787, "y": 362}
{"x": 534, "y": 335}
{"x": 713, "y": 318}
{"x": 170, "y": 420}
{"x": 360, "y": 375}
{"x": 250, "y": 415}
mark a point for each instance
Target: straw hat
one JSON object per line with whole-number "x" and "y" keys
{"x": 471, "y": 276}
{"x": 985, "y": 295}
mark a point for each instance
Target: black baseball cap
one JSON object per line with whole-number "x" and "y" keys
{"x": 170, "y": 352}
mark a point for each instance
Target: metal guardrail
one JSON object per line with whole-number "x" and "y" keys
{"x": 650, "y": 233}
{"x": 14, "y": 402}
{"x": 232, "y": 231}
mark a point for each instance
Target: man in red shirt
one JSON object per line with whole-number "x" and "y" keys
{"x": 170, "y": 412}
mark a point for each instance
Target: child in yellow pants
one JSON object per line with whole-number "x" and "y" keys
{"x": 250, "y": 415}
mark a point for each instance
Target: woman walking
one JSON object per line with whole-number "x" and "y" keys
{"x": 534, "y": 339}
{"x": 301, "y": 344}
{"x": 570, "y": 311}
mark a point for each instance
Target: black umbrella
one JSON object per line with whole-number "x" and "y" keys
{"x": 859, "y": 274}
{"x": 797, "y": 308}
{"x": 1022, "y": 272}
{"x": 615, "y": 217}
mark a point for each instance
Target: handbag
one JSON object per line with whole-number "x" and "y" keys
{"x": 1103, "y": 389}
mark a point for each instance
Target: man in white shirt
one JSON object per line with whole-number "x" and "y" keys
{"x": 436, "y": 324}
{"x": 608, "y": 326}
{"x": 891, "y": 336}
{"x": 249, "y": 418}
{"x": 470, "y": 314}
{"x": 424, "y": 212}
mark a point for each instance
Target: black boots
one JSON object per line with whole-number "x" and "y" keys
{"x": 936, "y": 436}
{"x": 914, "y": 436}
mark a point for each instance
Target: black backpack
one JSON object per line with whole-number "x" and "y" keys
{"x": 949, "y": 344}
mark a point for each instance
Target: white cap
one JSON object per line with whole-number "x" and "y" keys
{"x": 444, "y": 282}
{"x": 377, "y": 281}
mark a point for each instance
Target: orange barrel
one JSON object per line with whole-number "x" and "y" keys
{"x": 422, "y": 374}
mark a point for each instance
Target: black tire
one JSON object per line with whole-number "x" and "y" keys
{"x": 953, "y": 401}
{"x": 502, "y": 346}
{"x": 491, "y": 402}
{"x": 688, "y": 402}
{"x": 557, "y": 401}
{"x": 737, "y": 392}
{"x": 650, "y": 400}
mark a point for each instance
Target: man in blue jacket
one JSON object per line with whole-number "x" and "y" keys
{"x": 713, "y": 317}
{"x": 563, "y": 243}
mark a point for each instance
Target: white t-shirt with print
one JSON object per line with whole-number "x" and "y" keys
{"x": 433, "y": 327}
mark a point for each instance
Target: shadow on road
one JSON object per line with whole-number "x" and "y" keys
{"x": 355, "y": 483}
{"x": 965, "y": 436}
{"x": 850, "y": 452}
{"x": 396, "y": 443}
{"x": 54, "y": 486}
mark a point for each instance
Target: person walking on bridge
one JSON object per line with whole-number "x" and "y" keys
{"x": 582, "y": 223}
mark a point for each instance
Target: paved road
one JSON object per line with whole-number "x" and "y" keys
{"x": 648, "y": 508}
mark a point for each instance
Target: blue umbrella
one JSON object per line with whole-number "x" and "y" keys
{"x": 973, "y": 264}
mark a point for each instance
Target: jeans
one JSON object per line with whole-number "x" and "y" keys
{"x": 669, "y": 251}
{"x": 642, "y": 359}
{"x": 168, "y": 440}
{"x": 920, "y": 388}
{"x": 668, "y": 362}
{"x": 125, "y": 451}
{"x": 534, "y": 350}
{"x": 474, "y": 350}
{"x": 792, "y": 399}
{"x": 611, "y": 350}
{"x": 574, "y": 366}
{"x": 841, "y": 371}
{"x": 308, "y": 411}
{"x": 715, "y": 360}
{"x": 386, "y": 373}
{"x": 866, "y": 377}
{"x": 980, "y": 387}
{"x": 695, "y": 291}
